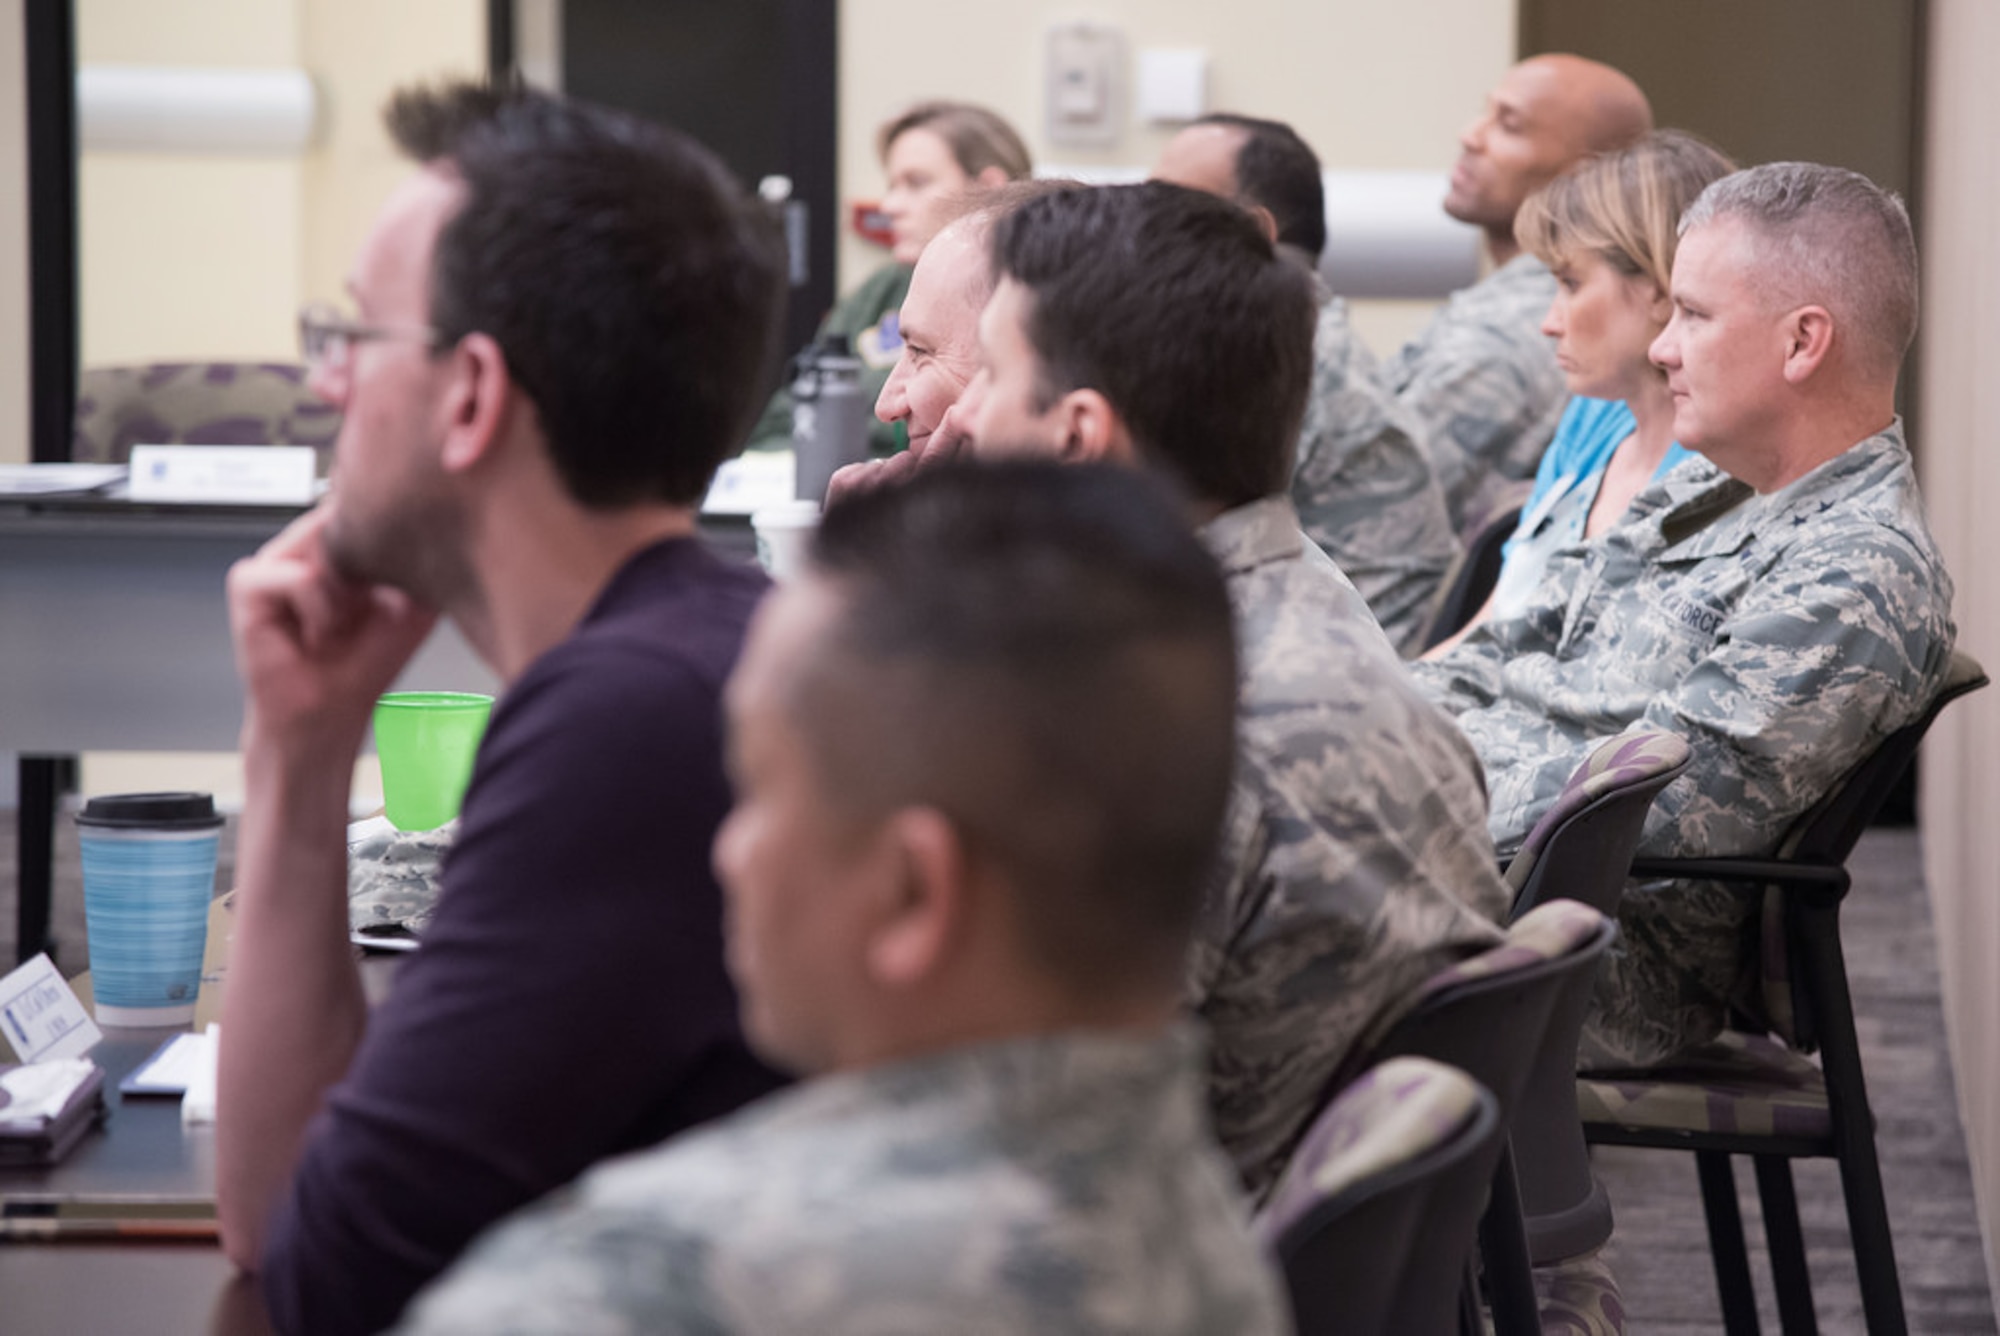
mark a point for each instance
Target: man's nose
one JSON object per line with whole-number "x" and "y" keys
{"x": 1665, "y": 350}
{"x": 893, "y": 405}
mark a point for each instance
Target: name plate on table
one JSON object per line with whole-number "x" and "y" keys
{"x": 751, "y": 481}
{"x": 41, "y": 1017}
{"x": 268, "y": 475}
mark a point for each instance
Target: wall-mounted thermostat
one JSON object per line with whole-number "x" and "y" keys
{"x": 1084, "y": 83}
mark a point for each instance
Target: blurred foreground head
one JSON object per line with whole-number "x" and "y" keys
{"x": 982, "y": 753}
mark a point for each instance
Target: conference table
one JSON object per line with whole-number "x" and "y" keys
{"x": 141, "y": 1151}
{"x": 114, "y": 636}
{"x": 47, "y": 1289}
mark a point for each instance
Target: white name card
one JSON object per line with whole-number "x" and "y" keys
{"x": 42, "y": 1018}
{"x": 269, "y": 475}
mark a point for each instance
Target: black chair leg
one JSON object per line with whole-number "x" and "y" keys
{"x": 1853, "y": 1129}
{"x": 1726, "y": 1245}
{"x": 1874, "y": 1249}
{"x": 1788, "y": 1246}
{"x": 1503, "y": 1247}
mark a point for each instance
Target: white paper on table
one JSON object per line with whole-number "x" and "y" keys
{"x": 57, "y": 479}
{"x": 36, "y": 1093}
{"x": 198, "y": 1104}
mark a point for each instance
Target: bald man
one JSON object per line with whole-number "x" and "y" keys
{"x": 1363, "y": 486}
{"x": 1481, "y": 380}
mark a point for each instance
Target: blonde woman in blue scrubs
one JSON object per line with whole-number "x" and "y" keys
{"x": 1607, "y": 230}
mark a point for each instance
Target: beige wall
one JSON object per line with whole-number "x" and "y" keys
{"x": 1961, "y": 465}
{"x": 187, "y": 256}
{"x": 14, "y": 447}
{"x": 1369, "y": 86}
{"x": 358, "y": 51}
{"x": 211, "y": 256}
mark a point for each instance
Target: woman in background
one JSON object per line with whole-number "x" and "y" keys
{"x": 930, "y": 153}
{"x": 1607, "y": 230}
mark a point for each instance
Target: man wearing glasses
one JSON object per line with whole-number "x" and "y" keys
{"x": 561, "y": 321}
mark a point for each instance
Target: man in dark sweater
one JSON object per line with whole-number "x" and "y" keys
{"x": 561, "y": 320}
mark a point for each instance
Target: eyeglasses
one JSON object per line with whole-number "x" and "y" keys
{"x": 327, "y": 338}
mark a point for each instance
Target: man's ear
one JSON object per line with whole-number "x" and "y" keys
{"x": 918, "y": 932}
{"x": 1808, "y": 335}
{"x": 1092, "y": 430}
{"x": 479, "y": 393}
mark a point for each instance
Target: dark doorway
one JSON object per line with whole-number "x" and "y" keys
{"x": 752, "y": 79}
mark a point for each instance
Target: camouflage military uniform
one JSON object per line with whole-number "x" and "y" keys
{"x": 1481, "y": 384}
{"x": 1782, "y": 636}
{"x": 1355, "y": 860}
{"x": 1047, "y": 1185}
{"x": 1364, "y": 487}
{"x": 392, "y": 878}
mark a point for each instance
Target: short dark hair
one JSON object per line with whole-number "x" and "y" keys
{"x": 1043, "y": 653}
{"x": 1173, "y": 305}
{"x": 631, "y": 284}
{"x": 1279, "y": 170}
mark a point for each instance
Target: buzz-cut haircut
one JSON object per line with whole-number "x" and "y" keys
{"x": 1043, "y": 653}
{"x": 1830, "y": 237}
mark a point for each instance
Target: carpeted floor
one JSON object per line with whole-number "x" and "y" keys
{"x": 1661, "y": 1251}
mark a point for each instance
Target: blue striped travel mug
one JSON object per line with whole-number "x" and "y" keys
{"x": 148, "y": 877}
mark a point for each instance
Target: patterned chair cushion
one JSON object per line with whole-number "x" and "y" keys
{"x": 1737, "y": 1083}
{"x": 1625, "y": 759}
{"x": 1394, "y": 1113}
{"x": 1579, "y": 1296}
{"x": 199, "y": 403}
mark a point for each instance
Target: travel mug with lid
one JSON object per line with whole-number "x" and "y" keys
{"x": 148, "y": 877}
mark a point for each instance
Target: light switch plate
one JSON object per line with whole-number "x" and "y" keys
{"x": 1173, "y": 85}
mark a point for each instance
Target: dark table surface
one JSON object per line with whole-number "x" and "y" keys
{"x": 154, "y": 1288}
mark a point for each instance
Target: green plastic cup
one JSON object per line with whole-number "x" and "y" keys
{"x": 426, "y": 741}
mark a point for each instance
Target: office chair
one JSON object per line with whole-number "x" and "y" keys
{"x": 1753, "y": 1094}
{"x": 1399, "y": 1160}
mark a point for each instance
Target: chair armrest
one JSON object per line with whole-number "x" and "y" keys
{"x": 1819, "y": 884}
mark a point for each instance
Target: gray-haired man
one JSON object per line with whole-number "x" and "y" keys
{"x": 1782, "y": 608}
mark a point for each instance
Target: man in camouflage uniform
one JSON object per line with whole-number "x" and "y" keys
{"x": 1363, "y": 487}
{"x": 981, "y": 959}
{"x": 1480, "y": 381}
{"x": 1355, "y": 861}
{"x": 1782, "y": 607}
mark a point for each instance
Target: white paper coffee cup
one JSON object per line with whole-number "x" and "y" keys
{"x": 784, "y": 534}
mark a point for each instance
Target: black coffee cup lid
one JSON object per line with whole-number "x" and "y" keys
{"x": 155, "y": 811}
